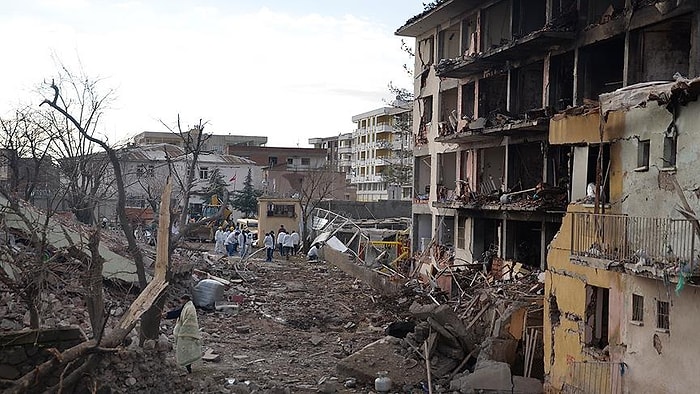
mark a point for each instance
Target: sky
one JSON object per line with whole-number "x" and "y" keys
{"x": 286, "y": 69}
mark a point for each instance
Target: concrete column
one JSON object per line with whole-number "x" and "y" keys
{"x": 543, "y": 246}
{"x": 575, "y": 99}
{"x": 545, "y": 76}
{"x": 504, "y": 186}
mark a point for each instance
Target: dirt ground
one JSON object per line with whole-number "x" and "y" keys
{"x": 295, "y": 321}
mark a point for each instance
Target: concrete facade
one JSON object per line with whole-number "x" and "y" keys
{"x": 274, "y": 212}
{"x": 641, "y": 248}
{"x": 381, "y": 142}
{"x": 215, "y": 143}
{"x": 619, "y": 250}
{"x": 146, "y": 169}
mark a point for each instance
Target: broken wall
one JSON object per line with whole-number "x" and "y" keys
{"x": 649, "y": 124}
{"x": 661, "y": 50}
{"x": 565, "y": 309}
{"x": 639, "y": 344}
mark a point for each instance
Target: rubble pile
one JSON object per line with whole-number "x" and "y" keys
{"x": 484, "y": 333}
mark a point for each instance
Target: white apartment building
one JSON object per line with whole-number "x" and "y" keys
{"x": 381, "y": 146}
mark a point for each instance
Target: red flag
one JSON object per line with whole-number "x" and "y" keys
{"x": 233, "y": 178}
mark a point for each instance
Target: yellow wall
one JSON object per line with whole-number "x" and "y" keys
{"x": 585, "y": 129}
{"x": 272, "y": 223}
{"x": 567, "y": 283}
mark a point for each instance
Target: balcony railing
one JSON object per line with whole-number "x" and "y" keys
{"x": 603, "y": 377}
{"x": 628, "y": 239}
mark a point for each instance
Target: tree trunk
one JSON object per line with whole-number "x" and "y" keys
{"x": 34, "y": 320}
{"x": 94, "y": 295}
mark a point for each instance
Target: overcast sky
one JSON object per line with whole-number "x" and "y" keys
{"x": 286, "y": 69}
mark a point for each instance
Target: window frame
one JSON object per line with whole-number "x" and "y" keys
{"x": 663, "y": 316}
{"x": 638, "y": 309}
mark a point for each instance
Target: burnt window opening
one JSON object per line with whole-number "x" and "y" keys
{"x": 525, "y": 166}
{"x": 485, "y": 240}
{"x": 491, "y": 170}
{"x": 559, "y": 166}
{"x": 448, "y": 104}
{"x": 643, "y": 155}
{"x": 495, "y": 29}
{"x": 659, "y": 51}
{"x": 290, "y": 161}
{"x": 670, "y": 146}
{"x": 523, "y": 242}
{"x": 446, "y": 230}
{"x": 468, "y": 101}
{"x": 449, "y": 42}
{"x": 427, "y": 116}
{"x": 493, "y": 97}
{"x": 564, "y": 12}
{"x": 637, "y": 308}
{"x": 597, "y": 319}
{"x": 663, "y": 315}
{"x": 305, "y": 161}
{"x": 601, "y": 66}
{"x": 447, "y": 175}
{"x": 272, "y": 161}
{"x": 529, "y": 16}
{"x": 527, "y": 92}
{"x": 561, "y": 77}
{"x": 602, "y": 11}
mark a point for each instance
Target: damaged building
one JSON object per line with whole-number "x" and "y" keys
{"x": 622, "y": 273}
{"x": 542, "y": 140}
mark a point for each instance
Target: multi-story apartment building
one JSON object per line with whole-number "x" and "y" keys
{"x": 147, "y": 167}
{"x": 615, "y": 197}
{"x": 485, "y": 179}
{"x": 338, "y": 151}
{"x": 381, "y": 153}
{"x": 215, "y": 143}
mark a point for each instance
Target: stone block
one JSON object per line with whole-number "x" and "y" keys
{"x": 496, "y": 349}
{"x": 491, "y": 376}
{"x": 523, "y": 385}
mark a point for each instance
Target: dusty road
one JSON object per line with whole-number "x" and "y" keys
{"x": 296, "y": 320}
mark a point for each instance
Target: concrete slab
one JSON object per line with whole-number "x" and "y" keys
{"x": 381, "y": 355}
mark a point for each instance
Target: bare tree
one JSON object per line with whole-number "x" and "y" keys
{"x": 25, "y": 140}
{"x": 311, "y": 188}
{"x": 84, "y": 122}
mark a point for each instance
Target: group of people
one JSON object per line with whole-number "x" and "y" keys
{"x": 232, "y": 241}
{"x": 288, "y": 244}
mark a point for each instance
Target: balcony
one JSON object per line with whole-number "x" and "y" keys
{"x": 651, "y": 247}
{"x": 383, "y": 128}
{"x": 344, "y": 149}
{"x": 536, "y": 43}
